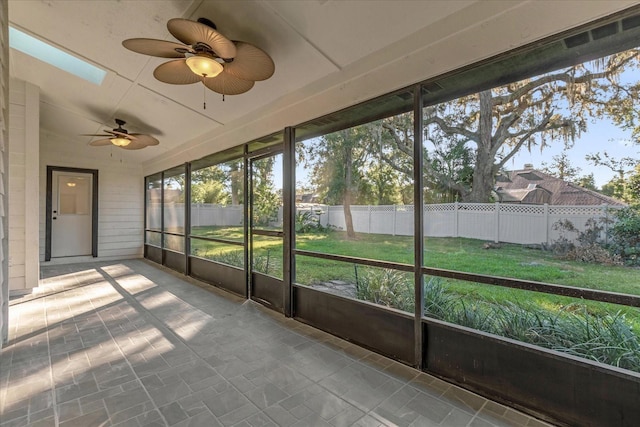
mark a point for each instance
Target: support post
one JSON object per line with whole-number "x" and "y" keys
{"x": 162, "y": 239}
{"x": 187, "y": 218}
{"x": 418, "y": 225}
{"x": 245, "y": 220}
{"x": 289, "y": 214}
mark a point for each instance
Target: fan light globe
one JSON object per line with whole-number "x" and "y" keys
{"x": 204, "y": 66}
{"x": 120, "y": 142}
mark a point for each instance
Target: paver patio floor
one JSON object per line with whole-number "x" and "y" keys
{"x": 127, "y": 343}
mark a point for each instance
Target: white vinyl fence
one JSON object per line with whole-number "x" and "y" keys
{"x": 497, "y": 222}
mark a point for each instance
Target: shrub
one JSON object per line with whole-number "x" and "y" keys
{"x": 592, "y": 231}
{"x": 588, "y": 248}
{"x": 308, "y": 222}
{"x": 625, "y": 235}
{"x": 562, "y": 245}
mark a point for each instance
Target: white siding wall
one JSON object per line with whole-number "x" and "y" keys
{"x": 24, "y": 102}
{"x": 4, "y": 168}
{"x": 120, "y": 193}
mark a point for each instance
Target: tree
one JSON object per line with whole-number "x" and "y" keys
{"x": 561, "y": 168}
{"x": 588, "y": 182}
{"x": 448, "y": 169}
{"x": 383, "y": 185}
{"x": 236, "y": 181}
{"x": 633, "y": 186}
{"x": 617, "y": 187}
{"x": 497, "y": 123}
{"x": 207, "y": 185}
{"x": 447, "y": 161}
{"x": 265, "y": 201}
{"x": 220, "y": 184}
{"x": 209, "y": 192}
{"x": 337, "y": 168}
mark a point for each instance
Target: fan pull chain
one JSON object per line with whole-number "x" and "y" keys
{"x": 204, "y": 93}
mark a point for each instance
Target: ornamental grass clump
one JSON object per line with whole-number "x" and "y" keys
{"x": 234, "y": 258}
{"x": 386, "y": 287}
{"x": 606, "y": 338}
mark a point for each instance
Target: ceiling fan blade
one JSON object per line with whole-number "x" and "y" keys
{"x": 145, "y": 139}
{"x": 92, "y": 134}
{"x": 100, "y": 142}
{"x": 153, "y": 47}
{"x": 124, "y": 135}
{"x": 227, "y": 84}
{"x": 190, "y": 32}
{"x": 176, "y": 72}
{"x": 250, "y": 63}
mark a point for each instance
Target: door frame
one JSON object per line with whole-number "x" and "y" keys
{"x": 250, "y": 159}
{"x": 49, "y": 204}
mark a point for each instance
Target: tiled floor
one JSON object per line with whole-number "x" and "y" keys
{"x": 129, "y": 344}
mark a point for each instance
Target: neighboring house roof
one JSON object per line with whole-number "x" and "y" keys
{"x": 536, "y": 187}
{"x": 307, "y": 197}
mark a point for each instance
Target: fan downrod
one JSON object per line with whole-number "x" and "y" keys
{"x": 120, "y": 122}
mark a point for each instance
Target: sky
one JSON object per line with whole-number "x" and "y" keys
{"x": 601, "y": 136}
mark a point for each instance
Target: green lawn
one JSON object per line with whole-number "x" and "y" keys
{"x": 459, "y": 254}
{"x": 468, "y": 255}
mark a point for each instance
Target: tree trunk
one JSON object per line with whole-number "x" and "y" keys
{"x": 346, "y": 202}
{"x": 235, "y": 188}
{"x": 484, "y": 170}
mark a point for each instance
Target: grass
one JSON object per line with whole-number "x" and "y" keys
{"x": 459, "y": 254}
{"x": 468, "y": 255}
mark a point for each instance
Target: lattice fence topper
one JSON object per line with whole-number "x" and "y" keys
{"x": 582, "y": 210}
{"x": 383, "y": 208}
{"x": 477, "y": 207}
{"x": 523, "y": 209}
{"x": 358, "y": 208}
{"x": 439, "y": 207}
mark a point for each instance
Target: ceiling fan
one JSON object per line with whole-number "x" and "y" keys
{"x": 224, "y": 66}
{"x": 120, "y": 137}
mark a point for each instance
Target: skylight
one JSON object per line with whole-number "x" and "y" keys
{"x": 54, "y": 56}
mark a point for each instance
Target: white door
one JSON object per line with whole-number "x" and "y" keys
{"x": 71, "y": 225}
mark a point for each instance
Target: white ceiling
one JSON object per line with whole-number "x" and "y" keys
{"x": 327, "y": 51}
